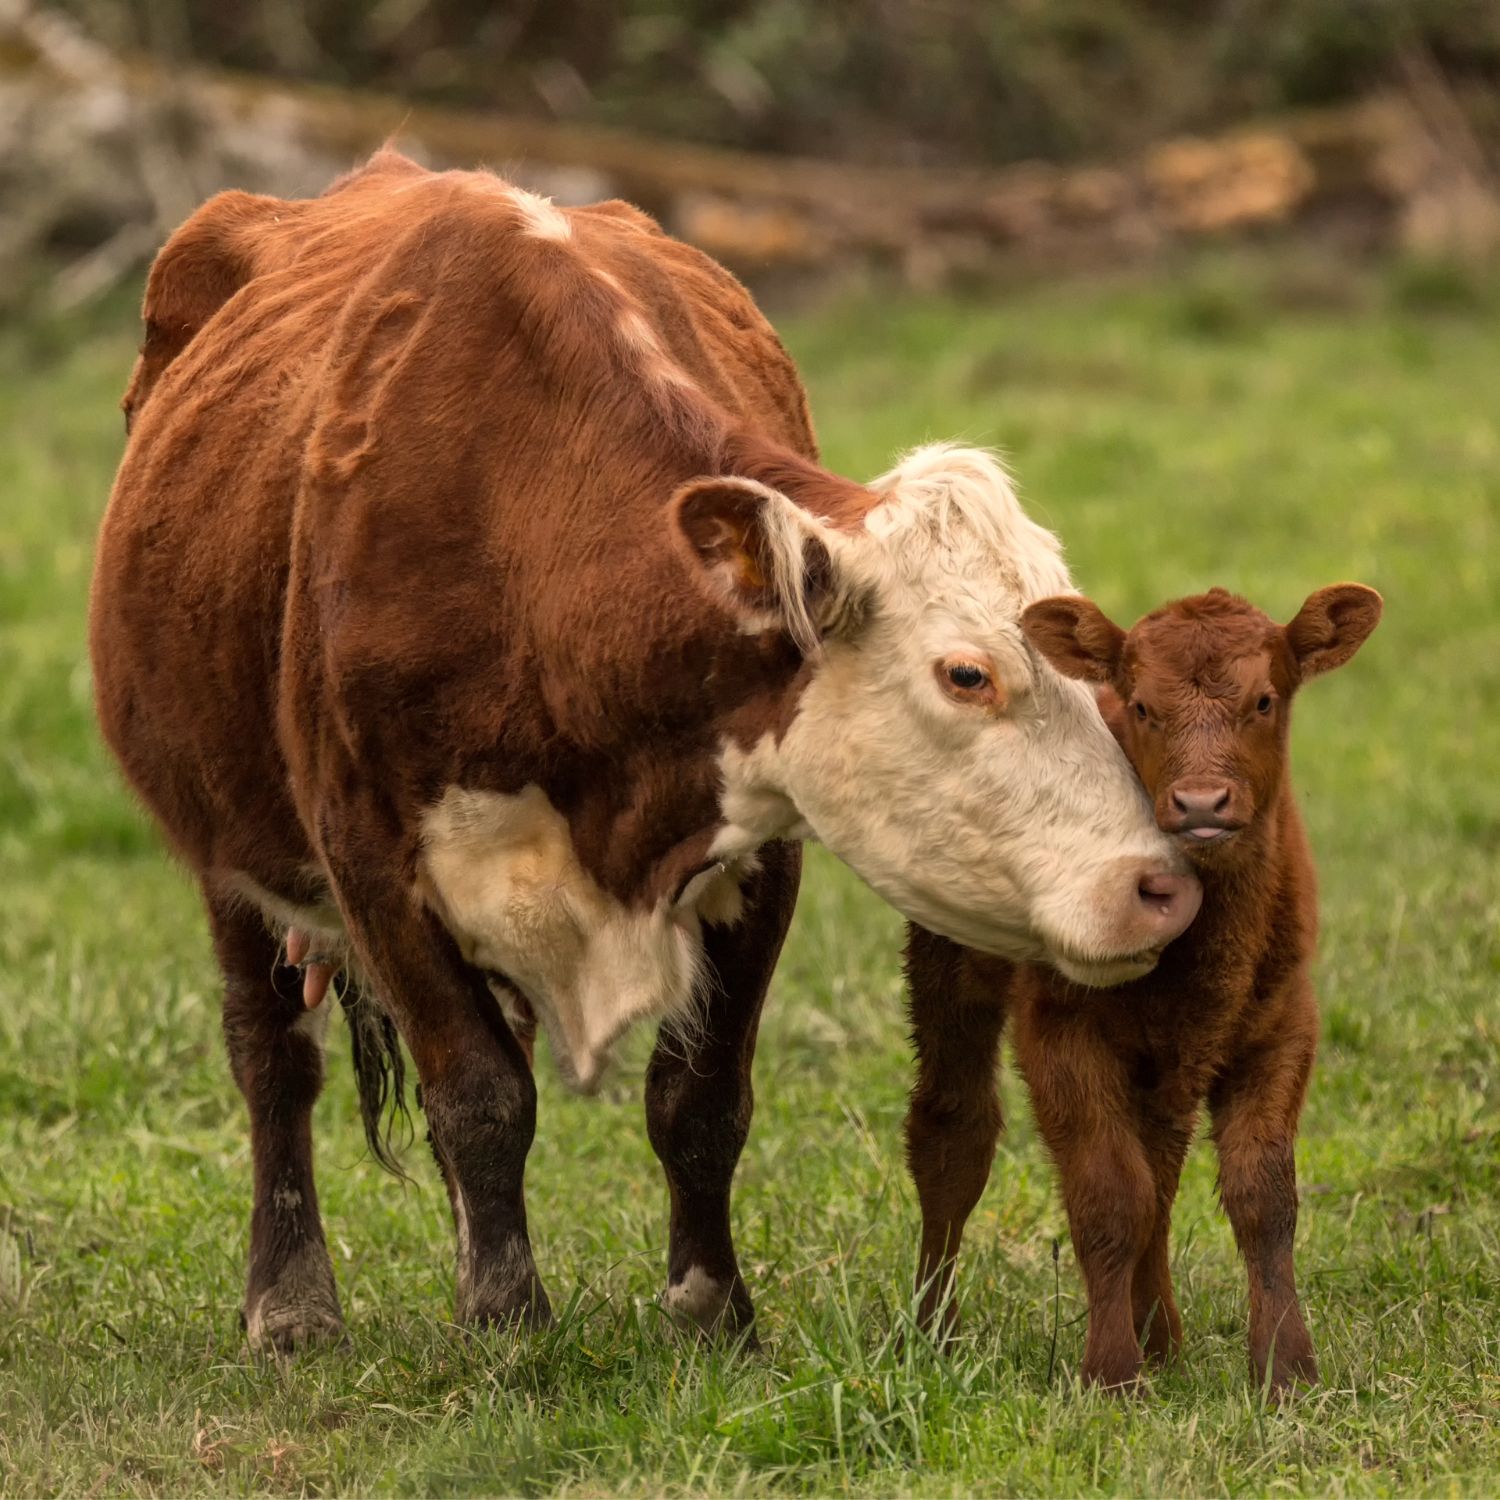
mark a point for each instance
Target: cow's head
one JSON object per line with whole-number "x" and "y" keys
{"x": 929, "y": 744}
{"x": 1199, "y": 693}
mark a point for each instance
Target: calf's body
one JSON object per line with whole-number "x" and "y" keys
{"x": 1199, "y": 693}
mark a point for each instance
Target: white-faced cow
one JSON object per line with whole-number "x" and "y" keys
{"x": 473, "y": 614}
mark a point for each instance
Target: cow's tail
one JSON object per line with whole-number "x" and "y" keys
{"x": 379, "y": 1075}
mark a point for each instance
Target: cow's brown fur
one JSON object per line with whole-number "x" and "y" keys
{"x": 375, "y": 385}
{"x": 1199, "y": 694}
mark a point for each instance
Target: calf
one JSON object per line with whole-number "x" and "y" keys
{"x": 1199, "y": 693}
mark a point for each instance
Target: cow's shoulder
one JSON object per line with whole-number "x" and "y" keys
{"x": 706, "y": 317}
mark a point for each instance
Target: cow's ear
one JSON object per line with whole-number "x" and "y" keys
{"x": 1332, "y": 626}
{"x": 764, "y": 556}
{"x": 1076, "y": 636}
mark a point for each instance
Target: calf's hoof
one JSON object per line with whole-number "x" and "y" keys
{"x": 1289, "y": 1375}
{"x": 1120, "y": 1376}
{"x": 299, "y": 1310}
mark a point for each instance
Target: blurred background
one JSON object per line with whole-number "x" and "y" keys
{"x": 934, "y": 140}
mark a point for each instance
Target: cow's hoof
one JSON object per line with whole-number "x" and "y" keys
{"x": 524, "y": 1308}
{"x": 287, "y": 1330}
{"x": 299, "y": 1310}
{"x": 712, "y": 1308}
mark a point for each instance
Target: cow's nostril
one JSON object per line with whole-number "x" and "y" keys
{"x": 1171, "y": 900}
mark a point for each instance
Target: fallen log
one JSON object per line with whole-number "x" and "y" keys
{"x": 104, "y": 151}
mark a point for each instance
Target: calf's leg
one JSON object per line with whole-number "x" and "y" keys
{"x": 1158, "y": 1324}
{"x": 275, "y": 1047}
{"x": 1083, "y": 1109}
{"x": 1255, "y": 1108}
{"x": 957, "y": 1003}
{"x": 699, "y": 1099}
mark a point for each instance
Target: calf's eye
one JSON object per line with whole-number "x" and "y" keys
{"x": 964, "y": 674}
{"x": 1264, "y": 706}
{"x": 1141, "y": 712}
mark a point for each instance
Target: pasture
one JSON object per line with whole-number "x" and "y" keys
{"x": 1269, "y": 425}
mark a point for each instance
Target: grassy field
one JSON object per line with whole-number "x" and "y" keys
{"x": 1267, "y": 426}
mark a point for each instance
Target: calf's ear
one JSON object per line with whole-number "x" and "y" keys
{"x": 1332, "y": 626}
{"x": 762, "y": 555}
{"x": 1076, "y": 636}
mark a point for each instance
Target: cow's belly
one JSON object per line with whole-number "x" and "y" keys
{"x": 501, "y": 873}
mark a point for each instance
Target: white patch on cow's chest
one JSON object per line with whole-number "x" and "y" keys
{"x": 502, "y": 873}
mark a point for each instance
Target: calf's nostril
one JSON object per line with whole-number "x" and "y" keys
{"x": 1202, "y": 800}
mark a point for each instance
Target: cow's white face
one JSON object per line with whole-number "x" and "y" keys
{"x": 971, "y": 785}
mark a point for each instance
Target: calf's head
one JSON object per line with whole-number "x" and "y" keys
{"x": 1199, "y": 693}
{"x": 926, "y": 742}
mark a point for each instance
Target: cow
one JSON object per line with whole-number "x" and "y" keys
{"x": 474, "y": 616}
{"x": 1200, "y": 694}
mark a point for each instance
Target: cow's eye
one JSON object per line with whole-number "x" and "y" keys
{"x": 1142, "y": 712}
{"x": 1264, "y": 706}
{"x": 969, "y": 681}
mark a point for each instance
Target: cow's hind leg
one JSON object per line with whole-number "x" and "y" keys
{"x": 276, "y": 1053}
{"x": 699, "y": 1099}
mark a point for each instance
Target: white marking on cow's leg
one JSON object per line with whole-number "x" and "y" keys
{"x": 699, "y": 1299}
{"x": 461, "y": 1234}
{"x": 543, "y": 218}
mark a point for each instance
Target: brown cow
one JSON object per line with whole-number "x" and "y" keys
{"x": 473, "y": 615}
{"x": 1200, "y": 694}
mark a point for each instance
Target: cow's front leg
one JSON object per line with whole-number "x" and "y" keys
{"x": 275, "y": 1049}
{"x": 477, "y": 1089}
{"x": 699, "y": 1099}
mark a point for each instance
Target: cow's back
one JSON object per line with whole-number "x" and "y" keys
{"x": 364, "y": 468}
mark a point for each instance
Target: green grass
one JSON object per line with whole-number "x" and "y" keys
{"x": 1270, "y": 427}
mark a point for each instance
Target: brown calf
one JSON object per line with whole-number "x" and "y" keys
{"x": 1199, "y": 693}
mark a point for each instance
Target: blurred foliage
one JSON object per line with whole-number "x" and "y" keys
{"x": 919, "y": 81}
